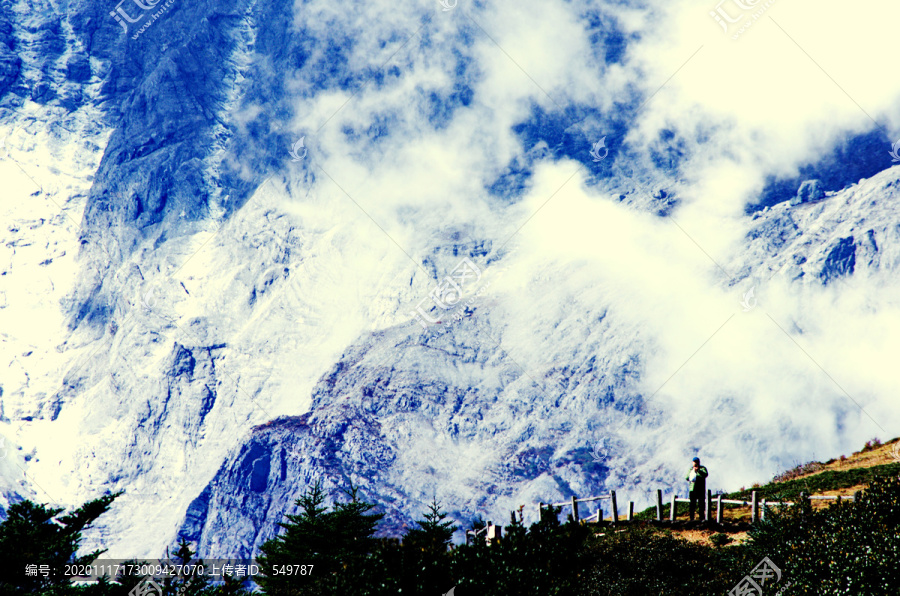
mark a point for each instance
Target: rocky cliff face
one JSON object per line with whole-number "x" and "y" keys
{"x": 405, "y": 415}
{"x": 203, "y": 312}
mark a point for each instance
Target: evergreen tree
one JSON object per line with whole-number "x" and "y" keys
{"x": 331, "y": 548}
{"x": 547, "y": 558}
{"x": 433, "y": 532}
{"x": 190, "y": 582}
{"x": 34, "y": 534}
{"x": 426, "y": 563}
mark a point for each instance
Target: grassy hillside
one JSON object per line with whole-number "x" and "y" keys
{"x": 843, "y": 475}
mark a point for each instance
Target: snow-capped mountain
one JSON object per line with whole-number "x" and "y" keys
{"x": 406, "y": 415}
{"x": 460, "y": 252}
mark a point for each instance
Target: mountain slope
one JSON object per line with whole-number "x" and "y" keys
{"x": 185, "y": 303}
{"x": 406, "y": 416}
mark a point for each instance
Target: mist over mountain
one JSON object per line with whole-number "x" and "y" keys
{"x": 494, "y": 254}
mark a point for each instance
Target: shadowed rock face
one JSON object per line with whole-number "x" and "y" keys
{"x": 841, "y": 260}
{"x": 853, "y": 159}
{"x": 810, "y": 190}
{"x": 387, "y": 422}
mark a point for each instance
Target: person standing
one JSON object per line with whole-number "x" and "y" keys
{"x": 697, "y": 477}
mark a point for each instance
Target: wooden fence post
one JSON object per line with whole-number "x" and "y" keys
{"x": 574, "y": 508}
{"x": 630, "y": 510}
{"x": 615, "y": 508}
{"x": 754, "y": 511}
{"x": 762, "y": 511}
{"x": 707, "y": 505}
{"x": 672, "y": 508}
{"x": 658, "y": 505}
{"x": 719, "y": 509}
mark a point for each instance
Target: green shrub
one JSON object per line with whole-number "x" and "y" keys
{"x": 640, "y": 561}
{"x": 720, "y": 539}
{"x": 546, "y": 559}
{"x": 848, "y": 548}
{"x": 871, "y": 445}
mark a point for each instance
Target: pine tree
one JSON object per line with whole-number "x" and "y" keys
{"x": 354, "y": 526}
{"x": 433, "y": 532}
{"x": 426, "y": 555}
{"x": 34, "y": 534}
{"x": 330, "y": 547}
{"x": 191, "y": 582}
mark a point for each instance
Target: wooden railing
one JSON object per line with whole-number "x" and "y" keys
{"x": 574, "y": 501}
{"x": 757, "y": 511}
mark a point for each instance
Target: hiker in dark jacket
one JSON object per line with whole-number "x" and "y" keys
{"x": 697, "y": 477}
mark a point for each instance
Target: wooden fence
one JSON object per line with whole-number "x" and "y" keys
{"x": 758, "y": 507}
{"x": 574, "y": 501}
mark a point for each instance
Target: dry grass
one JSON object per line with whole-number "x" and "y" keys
{"x": 702, "y": 536}
{"x": 888, "y": 452}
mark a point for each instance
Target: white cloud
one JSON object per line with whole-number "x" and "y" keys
{"x": 767, "y": 106}
{"x": 750, "y": 398}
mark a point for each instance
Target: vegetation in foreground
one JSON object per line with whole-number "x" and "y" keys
{"x": 846, "y": 548}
